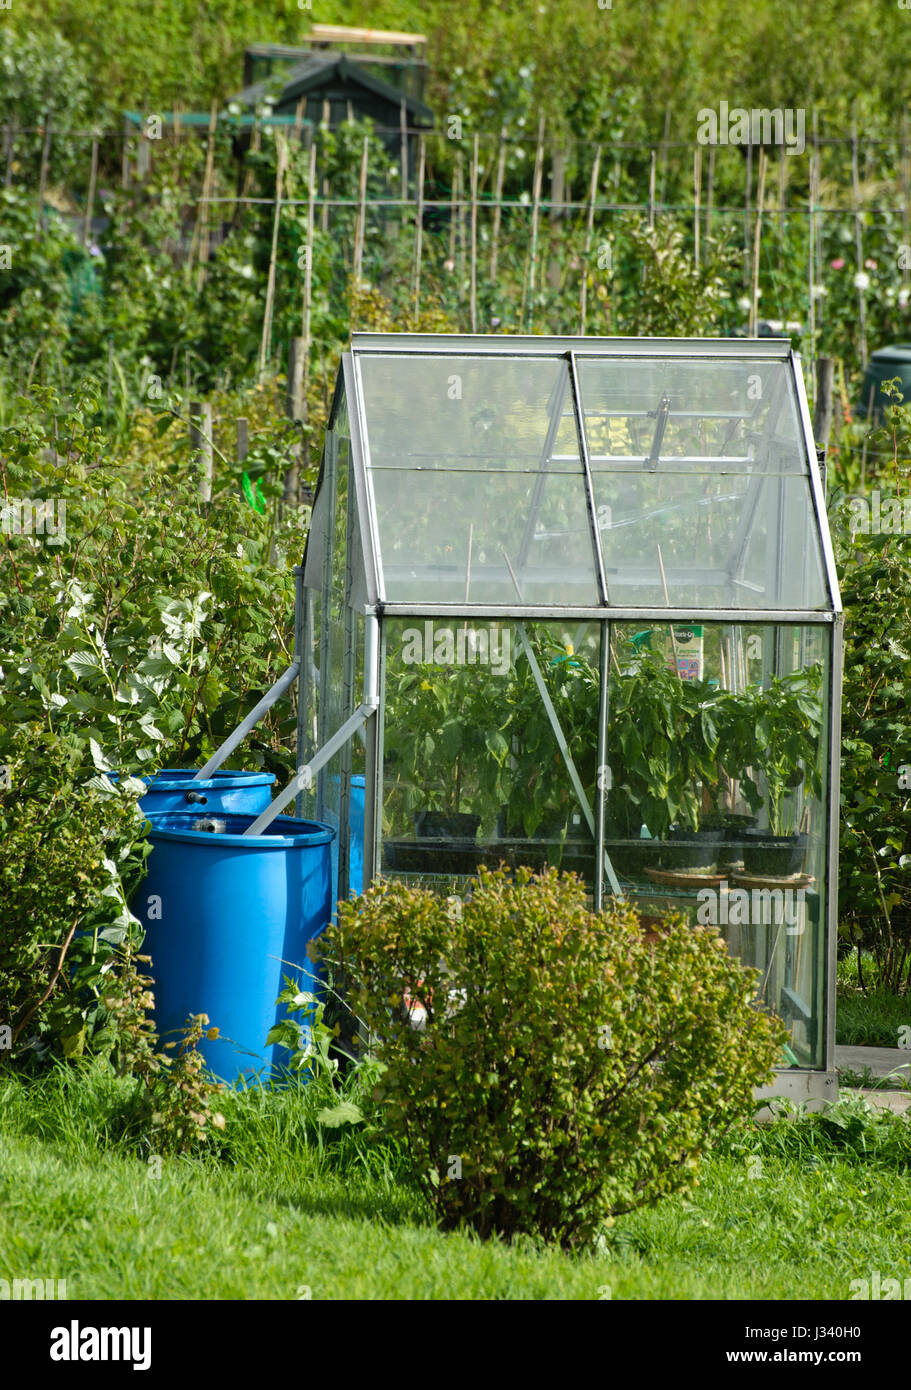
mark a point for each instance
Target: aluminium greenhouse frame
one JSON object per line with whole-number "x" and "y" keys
{"x": 369, "y": 612}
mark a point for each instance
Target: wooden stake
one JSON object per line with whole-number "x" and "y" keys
{"x": 295, "y": 409}
{"x": 757, "y": 233}
{"x": 858, "y": 243}
{"x": 242, "y": 428}
{"x": 535, "y": 215}
{"x": 460, "y": 219}
{"x": 497, "y": 205}
{"x": 125, "y": 165}
{"x": 906, "y": 196}
{"x": 45, "y": 161}
{"x": 557, "y": 196}
{"x": 11, "y": 132}
{"x": 456, "y": 170}
{"x": 822, "y": 416}
{"x": 418, "y": 230}
{"x": 651, "y": 193}
{"x": 709, "y": 191}
{"x": 270, "y": 283}
{"x": 308, "y": 267}
{"x": 90, "y": 200}
{"x": 697, "y": 194}
{"x": 589, "y": 228}
{"x": 360, "y": 230}
{"x": 403, "y": 131}
{"x": 202, "y": 268}
{"x": 324, "y": 125}
{"x": 811, "y": 263}
{"x": 473, "y": 299}
{"x": 201, "y": 443}
{"x": 663, "y": 158}
{"x": 295, "y": 385}
{"x": 747, "y": 197}
{"x": 299, "y": 110}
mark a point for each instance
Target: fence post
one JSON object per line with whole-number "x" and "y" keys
{"x": 822, "y": 416}
{"x": 90, "y": 200}
{"x": 201, "y": 443}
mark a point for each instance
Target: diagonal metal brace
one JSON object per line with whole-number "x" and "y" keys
{"x": 303, "y": 780}
{"x": 253, "y": 718}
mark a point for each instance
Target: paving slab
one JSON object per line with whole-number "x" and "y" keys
{"x": 880, "y": 1060}
{"x": 897, "y": 1101}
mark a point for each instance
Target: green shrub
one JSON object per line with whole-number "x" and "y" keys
{"x": 568, "y": 1071}
{"x": 69, "y": 852}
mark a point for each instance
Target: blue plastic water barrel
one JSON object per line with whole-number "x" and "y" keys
{"x": 356, "y": 840}
{"x": 245, "y": 793}
{"x": 222, "y": 913}
{"x": 355, "y": 836}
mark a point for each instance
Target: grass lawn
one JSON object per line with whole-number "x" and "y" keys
{"x": 792, "y": 1212}
{"x": 870, "y": 1019}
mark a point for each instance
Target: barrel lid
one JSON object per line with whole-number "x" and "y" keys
{"x": 285, "y": 832}
{"x": 896, "y": 352}
{"x": 177, "y": 779}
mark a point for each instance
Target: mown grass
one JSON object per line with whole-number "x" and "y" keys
{"x": 793, "y": 1210}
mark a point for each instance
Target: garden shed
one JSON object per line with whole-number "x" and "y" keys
{"x": 573, "y": 601}
{"x": 344, "y": 89}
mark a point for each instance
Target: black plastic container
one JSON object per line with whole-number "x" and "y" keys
{"x": 446, "y": 825}
{"x": 773, "y": 856}
{"x": 698, "y": 850}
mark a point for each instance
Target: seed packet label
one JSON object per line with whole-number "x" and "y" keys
{"x": 688, "y": 644}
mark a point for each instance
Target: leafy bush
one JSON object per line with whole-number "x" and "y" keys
{"x": 875, "y": 841}
{"x": 568, "y": 1071}
{"x": 66, "y": 851}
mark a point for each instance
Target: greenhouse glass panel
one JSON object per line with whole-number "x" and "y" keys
{"x": 477, "y": 479}
{"x": 702, "y": 484}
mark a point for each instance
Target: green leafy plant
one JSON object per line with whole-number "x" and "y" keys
{"x": 539, "y": 787}
{"x": 346, "y": 1094}
{"x": 170, "y": 1110}
{"x": 70, "y": 852}
{"x": 567, "y": 1071}
{"x": 774, "y": 729}
{"x": 664, "y": 744}
{"x": 875, "y": 837}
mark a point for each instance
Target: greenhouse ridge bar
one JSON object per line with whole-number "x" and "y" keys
{"x": 574, "y": 602}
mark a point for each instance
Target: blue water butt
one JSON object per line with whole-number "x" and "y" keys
{"x": 355, "y": 837}
{"x": 356, "y": 840}
{"x": 224, "y": 914}
{"x": 171, "y": 789}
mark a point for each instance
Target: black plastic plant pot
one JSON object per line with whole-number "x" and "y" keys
{"x": 446, "y": 825}
{"x": 632, "y": 857}
{"x": 735, "y": 827}
{"x": 698, "y": 850}
{"x": 773, "y": 856}
{"x": 556, "y": 826}
{"x": 433, "y": 856}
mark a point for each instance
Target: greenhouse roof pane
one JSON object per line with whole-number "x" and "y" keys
{"x": 584, "y": 472}
{"x": 477, "y": 480}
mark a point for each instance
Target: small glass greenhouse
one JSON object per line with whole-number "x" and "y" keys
{"x": 573, "y": 601}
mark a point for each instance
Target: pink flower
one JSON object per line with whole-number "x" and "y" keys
{"x": 871, "y": 265}
{"x": 837, "y": 264}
